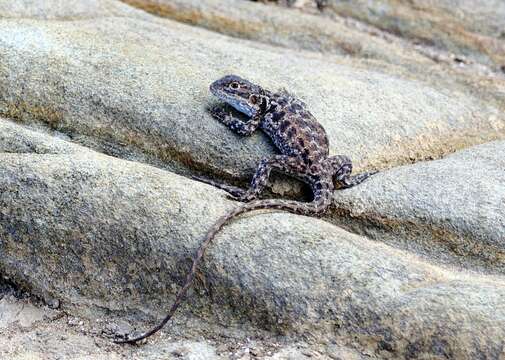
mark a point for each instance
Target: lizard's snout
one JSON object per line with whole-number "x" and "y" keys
{"x": 213, "y": 88}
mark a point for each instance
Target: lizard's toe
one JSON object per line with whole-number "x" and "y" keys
{"x": 246, "y": 197}
{"x": 242, "y": 196}
{"x": 233, "y": 197}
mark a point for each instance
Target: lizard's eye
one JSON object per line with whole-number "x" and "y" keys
{"x": 253, "y": 99}
{"x": 234, "y": 85}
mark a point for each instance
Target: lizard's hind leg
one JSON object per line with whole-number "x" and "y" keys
{"x": 343, "y": 169}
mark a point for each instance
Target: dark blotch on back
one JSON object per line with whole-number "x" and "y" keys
{"x": 305, "y": 158}
{"x": 276, "y": 116}
{"x": 291, "y": 132}
{"x": 284, "y": 125}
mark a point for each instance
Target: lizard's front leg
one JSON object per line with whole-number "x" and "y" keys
{"x": 244, "y": 128}
{"x": 283, "y": 163}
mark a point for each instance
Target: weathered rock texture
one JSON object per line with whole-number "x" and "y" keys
{"x": 66, "y": 82}
{"x": 121, "y": 236}
{"x": 257, "y": 22}
{"x": 67, "y": 10}
{"x": 453, "y": 207}
{"x": 328, "y": 32}
{"x": 473, "y": 29}
{"x": 407, "y": 265}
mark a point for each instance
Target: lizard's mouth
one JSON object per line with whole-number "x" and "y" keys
{"x": 241, "y": 112}
{"x": 240, "y": 106}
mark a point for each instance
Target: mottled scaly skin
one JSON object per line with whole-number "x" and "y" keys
{"x": 304, "y": 154}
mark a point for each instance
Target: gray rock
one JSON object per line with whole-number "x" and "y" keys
{"x": 18, "y": 313}
{"x": 113, "y": 81}
{"x": 330, "y": 33}
{"x": 463, "y": 27}
{"x": 283, "y": 27}
{"x": 31, "y": 335}
{"x": 486, "y": 18}
{"x": 15, "y": 138}
{"x": 190, "y": 350}
{"x": 54, "y": 340}
{"x": 67, "y": 10}
{"x": 110, "y": 240}
{"x": 118, "y": 235}
{"x": 451, "y": 209}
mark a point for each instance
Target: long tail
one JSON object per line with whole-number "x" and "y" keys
{"x": 317, "y": 206}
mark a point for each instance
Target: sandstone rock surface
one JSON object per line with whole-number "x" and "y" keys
{"x": 66, "y": 10}
{"x": 104, "y": 120}
{"x": 473, "y": 29}
{"x": 121, "y": 236}
{"x": 451, "y": 208}
{"x": 120, "y": 91}
{"x": 257, "y": 22}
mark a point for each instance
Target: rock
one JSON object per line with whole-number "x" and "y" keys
{"x": 43, "y": 340}
{"x": 70, "y": 10}
{"x": 16, "y": 138}
{"x": 121, "y": 233}
{"x": 53, "y": 303}
{"x": 121, "y": 329}
{"x": 282, "y": 27}
{"x": 119, "y": 104}
{"x": 407, "y": 265}
{"x": 330, "y": 33}
{"x": 190, "y": 350}
{"x": 339, "y": 353}
{"x": 31, "y": 334}
{"x": 458, "y": 26}
{"x": 20, "y": 313}
{"x": 450, "y": 210}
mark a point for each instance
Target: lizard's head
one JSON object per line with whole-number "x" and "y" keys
{"x": 243, "y": 95}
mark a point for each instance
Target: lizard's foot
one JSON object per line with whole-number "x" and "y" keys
{"x": 354, "y": 180}
{"x": 246, "y": 196}
{"x": 235, "y": 193}
{"x": 238, "y": 194}
{"x": 218, "y": 112}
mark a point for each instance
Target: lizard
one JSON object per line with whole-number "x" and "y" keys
{"x": 304, "y": 154}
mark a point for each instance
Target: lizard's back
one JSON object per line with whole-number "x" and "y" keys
{"x": 294, "y": 130}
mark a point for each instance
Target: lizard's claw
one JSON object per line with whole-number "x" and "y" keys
{"x": 238, "y": 194}
{"x": 233, "y": 197}
{"x": 234, "y": 192}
